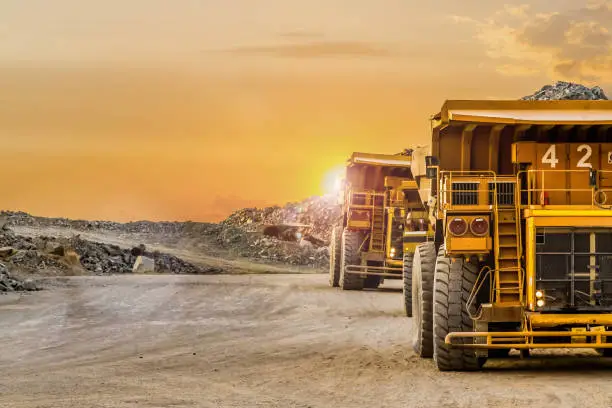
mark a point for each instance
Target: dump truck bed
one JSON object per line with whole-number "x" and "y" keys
{"x": 380, "y": 159}
{"x": 469, "y": 135}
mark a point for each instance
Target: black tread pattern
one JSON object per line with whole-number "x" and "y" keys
{"x": 423, "y": 268}
{"x": 371, "y": 282}
{"x": 452, "y": 286}
{"x": 407, "y": 277}
{"x": 335, "y": 257}
{"x": 351, "y": 241}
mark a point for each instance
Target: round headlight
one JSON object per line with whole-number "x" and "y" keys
{"x": 457, "y": 226}
{"x": 479, "y": 226}
{"x": 540, "y": 303}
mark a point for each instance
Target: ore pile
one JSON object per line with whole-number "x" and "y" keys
{"x": 567, "y": 90}
{"x": 136, "y": 227}
{"x": 268, "y": 234}
{"x": 10, "y": 284}
{"x": 102, "y": 258}
{"x": 255, "y": 246}
{"x": 62, "y": 256}
{"x": 317, "y": 212}
{"x": 110, "y": 259}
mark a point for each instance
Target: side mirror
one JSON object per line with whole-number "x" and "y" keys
{"x": 431, "y": 161}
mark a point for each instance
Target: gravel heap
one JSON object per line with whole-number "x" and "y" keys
{"x": 319, "y": 212}
{"x": 242, "y": 232}
{"x": 567, "y": 90}
{"x": 136, "y": 227}
{"x": 9, "y": 283}
{"x": 61, "y": 255}
{"x": 103, "y": 259}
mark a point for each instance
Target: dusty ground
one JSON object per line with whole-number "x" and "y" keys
{"x": 245, "y": 341}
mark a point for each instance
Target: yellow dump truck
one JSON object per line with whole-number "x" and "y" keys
{"x": 382, "y": 221}
{"x": 521, "y": 196}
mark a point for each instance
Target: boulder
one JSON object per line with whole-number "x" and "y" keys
{"x": 143, "y": 264}
{"x": 7, "y": 252}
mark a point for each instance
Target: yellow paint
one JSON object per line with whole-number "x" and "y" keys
{"x": 552, "y": 320}
{"x": 468, "y": 245}
{"x": 530, "y": 262}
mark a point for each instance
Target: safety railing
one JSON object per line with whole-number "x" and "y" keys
{"x": 466, "y": 188}
{"x": 366, "y": 199}
{"x": 537, "y": 186}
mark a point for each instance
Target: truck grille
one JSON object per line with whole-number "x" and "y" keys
{"x": 574, "y": 268}
{"x": 464, "y": 194}
{"x": 505, "y": 193}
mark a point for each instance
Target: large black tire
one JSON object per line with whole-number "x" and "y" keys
{"x": 452, "y": 286}
{"x": 335, "y": 257}
{"x": 351, "y": 241}
{"x": 407, "y": 277}
{"x": 423, "y": 267}
{"x": 371, "y": 282}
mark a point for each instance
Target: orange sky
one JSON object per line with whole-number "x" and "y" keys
{"x": 152, "y": 109}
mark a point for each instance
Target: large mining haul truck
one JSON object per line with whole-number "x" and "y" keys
{"x": 521, "y": 192}
{"x": 382, "y": 221}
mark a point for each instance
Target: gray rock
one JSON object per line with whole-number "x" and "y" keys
{"x": 567, "y": 90}
{"x": 143, "y": 264}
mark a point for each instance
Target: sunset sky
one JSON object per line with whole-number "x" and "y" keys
{"x": 190, "y": 109}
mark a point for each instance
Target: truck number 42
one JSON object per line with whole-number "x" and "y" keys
{"x": 550, "y": 156}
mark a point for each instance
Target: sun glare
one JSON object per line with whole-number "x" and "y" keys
{"x": 332, "y": 181}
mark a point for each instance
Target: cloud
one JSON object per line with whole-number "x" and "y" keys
{"x": 301, "y": 34}
{"x": 317, "y": 49}
{"x": 573, "y": 45}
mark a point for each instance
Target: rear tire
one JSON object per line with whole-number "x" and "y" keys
{"x": 407, "y": 277}
{"x": 335, "y": 257}
{"x": 452, "y": 286}
{"x": 372, "y": 282}
{"x": 350, "y": 256}
{"x": 423, "y": 267}
{"x": 499, "y": 353}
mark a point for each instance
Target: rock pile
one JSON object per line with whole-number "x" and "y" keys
{"x": 109, "y": 259}
{"x": 60, "y": 255}
{"x": 241, "y": 232}
{"x": 136, "y": 227}
{"x": 11, "y": 284}
{"x": 317, "y": 212}
{"x": 566, "y": 90}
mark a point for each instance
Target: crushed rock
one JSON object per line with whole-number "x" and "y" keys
{"x": 63, "y": 256}
{"x": 9, "y": 283}
{"x": 566, "y": 90}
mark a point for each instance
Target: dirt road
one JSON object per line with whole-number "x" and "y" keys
{"x": 246, "y": 341}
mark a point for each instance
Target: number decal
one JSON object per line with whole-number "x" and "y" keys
{"x": 583, "y": 162}
{"x": 550, "y": 157}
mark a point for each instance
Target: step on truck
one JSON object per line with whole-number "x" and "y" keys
{"x": 521, "y": 193}
{"x": 382, "y": 221}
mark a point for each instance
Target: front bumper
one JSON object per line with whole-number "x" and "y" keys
{"x": 525, "y": 340}
{"x": 365, "y": 270}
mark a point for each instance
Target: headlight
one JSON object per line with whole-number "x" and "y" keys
{"x": 392, "y": 252}
{"x": 540, "y": 302}
{"x": 479, "y": 226}
{"x": 457, "y": 226}
{"x": 539, "y": 294}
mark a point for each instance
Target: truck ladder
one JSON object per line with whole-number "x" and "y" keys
{"x": 508, "y": 272}
{"x": 377, "y": 233}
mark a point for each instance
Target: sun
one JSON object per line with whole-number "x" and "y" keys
{"x": 332, "y": 180}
